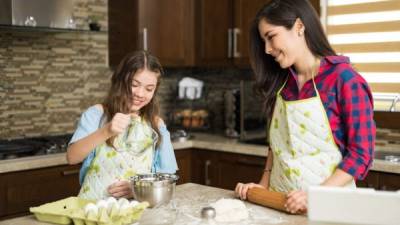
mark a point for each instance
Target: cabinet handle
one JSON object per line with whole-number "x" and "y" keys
{"x": 230, "y": 43}
{"x": 250, "y": 162}
{"x": 236, "y": 54}
{"x": 145, "y": 47}
{"x": 206, "y": 171}
{"x": 70, "y": 172}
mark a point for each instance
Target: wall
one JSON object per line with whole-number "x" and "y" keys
{"x": 48, "y": 78}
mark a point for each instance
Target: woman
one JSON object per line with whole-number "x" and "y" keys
{"x": 124, "y": 135}
{"x": 321, "y": 128}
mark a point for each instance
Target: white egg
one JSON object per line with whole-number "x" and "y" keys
{"x": 101, "y": 204}
{"x": 122, "y": 202}
{"x": 111, "y": 201}
{"x": 133, "y": 204}
{"x": 91, "y": 210}
{"x": 114, "y": 210}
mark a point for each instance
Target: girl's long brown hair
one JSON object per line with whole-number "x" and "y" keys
{"x": 119, "y": 97}
{"x": 269, "y": 75}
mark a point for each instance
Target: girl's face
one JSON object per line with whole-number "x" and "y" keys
{"x": 143, "y": 87}
{"x": 281, "y": 43}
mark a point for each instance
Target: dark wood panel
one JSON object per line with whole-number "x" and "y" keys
{"x": 390, "y": 120}
{"x": 234, "y": 168}
{"x": 168, "y": 24}
{"x": 371, "y": 181}
{"x": 213, "y": 21}
{"x": 122, "y": 29}
{"x": 389, "y": 181}
{"x": 183, "y": 158}
{"x": 204, "y": 167}
{"x": 245, "y": 12}
{"x": 25, "y": 189}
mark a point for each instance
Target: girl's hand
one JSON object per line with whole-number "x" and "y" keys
{"x": 296, "y": 202}
{"x": 120, "y": 189}
{"x": 241, "y": 189}
{"x": 119, "y": 123}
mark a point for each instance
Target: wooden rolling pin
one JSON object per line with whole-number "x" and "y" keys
{"x": 261, "y": 196}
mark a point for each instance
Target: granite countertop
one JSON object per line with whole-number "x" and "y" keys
{"x": 212, "y": 142}
{"x": 185, "y": 209}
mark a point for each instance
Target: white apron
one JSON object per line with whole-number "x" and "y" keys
{"x": 302, "y": 144}
{"x": 133, "y": 154}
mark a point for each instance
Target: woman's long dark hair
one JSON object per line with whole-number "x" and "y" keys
{"x": 269, "y": 75}
{"x": 119, "y": 97}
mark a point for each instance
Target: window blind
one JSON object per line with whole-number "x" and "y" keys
{"x": 368, "y": 31}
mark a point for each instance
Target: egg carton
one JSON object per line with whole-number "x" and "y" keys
{"x": 86, "y": 212}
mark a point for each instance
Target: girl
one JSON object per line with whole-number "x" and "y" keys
{"x": 123, "y": 136}
{"x": 321, "y": 129}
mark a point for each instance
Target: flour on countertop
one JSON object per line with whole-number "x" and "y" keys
{"x": 230, "y": 210}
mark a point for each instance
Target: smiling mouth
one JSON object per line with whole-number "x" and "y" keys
{"x": 137, "y": 102}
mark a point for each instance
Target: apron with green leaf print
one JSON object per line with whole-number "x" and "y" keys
{"x": 133, "y": 154}
{"x": 304, "y": 151}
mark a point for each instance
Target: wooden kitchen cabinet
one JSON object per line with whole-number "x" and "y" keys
{"x": 225, "y": 170}
{"x": 24, "y": 189}
{"x": 381, "y": 181}
{"x": 204, "y": 167}
{"x": 389, "y": 181}
{"x": 183, "y": 159}
{"x": 184, "y": 32}
{"x": 371, "y": 181}
{"x": 223, "y": 31}
{"x": 164, "y": 28}
{"x": 233, "y": 168}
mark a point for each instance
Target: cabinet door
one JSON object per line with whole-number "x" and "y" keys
{"x": 213, "y": 29}
{"x": 389, "y": 181}
{"x": 183, "y": 158}
{"x": 25, "y": 189}
{"x": 204, "y": 164}
{"x": 122, "y": 29}
{"x": 166, "y": 29}
{"x": 244, "y": 14}
{"x": 371, "y": 181}
{"x": 234, "y": 168}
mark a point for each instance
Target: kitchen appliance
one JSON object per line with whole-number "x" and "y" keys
{"x": 244, "y": 116}
{"x": 41, "y": 13}
{"x": 353, "y": 206}
{"x": 180, "y": 136}
{"x": 24, "y": 147}
{"x": 275, "y": 200}
{"x": 154, "y": 188}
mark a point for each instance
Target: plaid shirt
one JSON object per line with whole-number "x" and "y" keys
{"x": 347, "y": 100}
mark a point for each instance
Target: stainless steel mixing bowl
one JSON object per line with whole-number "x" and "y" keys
{"x": 155, "y": 188}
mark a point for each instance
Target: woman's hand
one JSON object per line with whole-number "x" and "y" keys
{"x": 118, "y": 123}
{"x": 120, "y": 189}
{"x": 242, "y": 189}
{"x": 296, "y": 202}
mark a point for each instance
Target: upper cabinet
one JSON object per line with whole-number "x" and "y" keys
{"x": 184, "y": 32}
{"x": 223, "y": 31}
{"x": 164, "y": 28}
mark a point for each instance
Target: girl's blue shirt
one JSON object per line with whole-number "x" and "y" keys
{"x": 164, "y": 160}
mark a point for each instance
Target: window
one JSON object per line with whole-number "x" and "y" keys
{"x": 368, "y": 31}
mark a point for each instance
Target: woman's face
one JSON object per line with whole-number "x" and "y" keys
{"x": 143, "y": 87}
{"x": 280, "y": 43}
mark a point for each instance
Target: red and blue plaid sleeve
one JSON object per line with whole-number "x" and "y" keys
{"x": 356, "y": 106}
